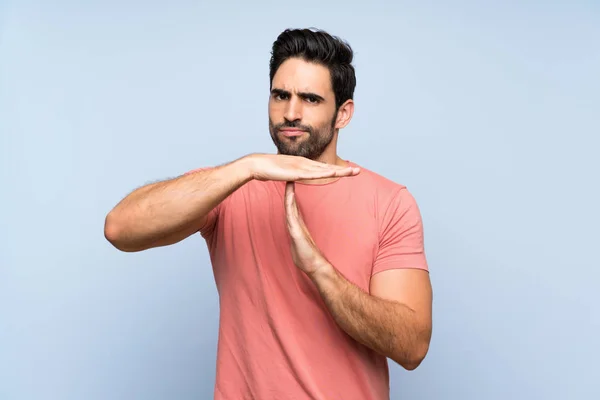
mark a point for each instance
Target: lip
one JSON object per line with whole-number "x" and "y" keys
{"x": 292, "y": 132}
{"x": 287, "y": 132}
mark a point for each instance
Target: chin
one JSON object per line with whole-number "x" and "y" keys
{"x": 289, "y": 152}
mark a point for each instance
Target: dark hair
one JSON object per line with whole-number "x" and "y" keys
{"x": 319, "y": 47}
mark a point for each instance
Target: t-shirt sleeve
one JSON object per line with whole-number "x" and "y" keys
{"x": 209, "y": 225}
{"x": 401, "y": 241}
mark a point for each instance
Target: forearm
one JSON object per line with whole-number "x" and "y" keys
{"x": 389, "y": 328}
{"x": 165, "y": 208}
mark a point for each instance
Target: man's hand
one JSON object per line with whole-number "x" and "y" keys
{"x": 305, "y": 253}
{"x": 277, "y": 167}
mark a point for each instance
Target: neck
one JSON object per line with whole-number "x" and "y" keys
{"x": 332, "y": 159}
{"x": 330, "y": 155}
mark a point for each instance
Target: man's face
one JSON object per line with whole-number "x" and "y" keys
{"x": 302, "y": 112}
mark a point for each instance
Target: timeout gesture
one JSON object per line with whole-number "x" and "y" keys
{"x": 305, "y": 253}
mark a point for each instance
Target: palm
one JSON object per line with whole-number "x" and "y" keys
{"x": 305, "y": 253}
{"x": 292, "y": 168}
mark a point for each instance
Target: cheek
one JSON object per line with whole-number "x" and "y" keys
{"x": 276, "y": 105}
{"x": 275, "y": 111}
{"x": 323, "y": 120}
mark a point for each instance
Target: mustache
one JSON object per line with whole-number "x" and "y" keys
{"x": 293, "y": 124}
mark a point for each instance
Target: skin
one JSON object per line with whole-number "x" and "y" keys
{"x": 302, "y": 93}
{"x": 393, "y": 318}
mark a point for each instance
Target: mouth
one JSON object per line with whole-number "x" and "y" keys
{"x": 292, "y": 132}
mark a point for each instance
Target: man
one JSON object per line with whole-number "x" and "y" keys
{"x": 319, "y": 263}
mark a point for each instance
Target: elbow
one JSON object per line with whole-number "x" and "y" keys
{"x": 411, "y": 365}
{"x": 414, "y": 358}
{"x": 113, "y": 232}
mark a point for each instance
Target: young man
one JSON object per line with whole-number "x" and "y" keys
{"x": 319, "y": 263}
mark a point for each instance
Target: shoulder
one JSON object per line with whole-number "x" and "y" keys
{"x": 392, "y": 199}
{"x": 383, "y": 187}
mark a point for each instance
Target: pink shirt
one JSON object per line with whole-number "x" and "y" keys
{"x": 277, "y": 339}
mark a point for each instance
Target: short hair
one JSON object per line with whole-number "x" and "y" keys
{"x": 317, "y": 46}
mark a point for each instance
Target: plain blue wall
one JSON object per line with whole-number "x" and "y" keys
{"x": 489, "y": 113}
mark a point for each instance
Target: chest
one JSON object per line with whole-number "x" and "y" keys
{"x": 253, "y": 228}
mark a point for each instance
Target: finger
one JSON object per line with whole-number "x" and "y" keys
{"x": 348, "y": 171}
{"x": 294, "y": 210}
{"x": 289, "y": 200}
{"x": 316, "y": 174}
{"x": 329, "y": 173}
{"x": 334, "y": 167}
{"x": 312, "y": 167}
{"x": 291, "y": 210}
{"x": 342, "y": 170}
{"x": 289, "y": 192}
{"x": 320, "y": 164}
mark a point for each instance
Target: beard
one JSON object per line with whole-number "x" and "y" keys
{"x": 311, "y": 146}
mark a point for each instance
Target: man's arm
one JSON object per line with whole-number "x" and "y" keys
{"x": 394, "y": 320}
{"x": 167, "y": 212}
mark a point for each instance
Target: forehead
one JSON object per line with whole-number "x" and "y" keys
{"x": 296, "y": 74}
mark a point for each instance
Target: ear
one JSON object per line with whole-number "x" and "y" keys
{"x": 345, "y": 113}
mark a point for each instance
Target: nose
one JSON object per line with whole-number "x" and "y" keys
{"x": 293, "y": 111}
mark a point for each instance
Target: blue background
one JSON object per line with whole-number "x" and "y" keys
{"x": 488, "y": 111}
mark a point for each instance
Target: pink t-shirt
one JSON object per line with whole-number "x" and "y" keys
{"x": 277, "y": 339}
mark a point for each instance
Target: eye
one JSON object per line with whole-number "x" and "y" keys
{"x": 312, "y": 99}
{"x": 280, "y": 96}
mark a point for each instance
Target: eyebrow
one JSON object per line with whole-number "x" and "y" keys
{"x": 301, "y": 94}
